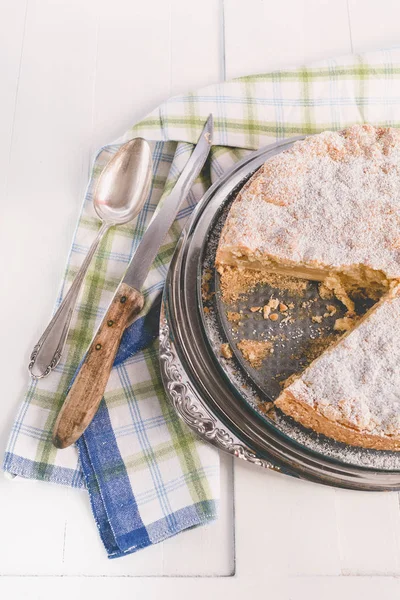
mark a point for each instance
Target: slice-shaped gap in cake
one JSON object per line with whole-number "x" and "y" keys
{"x": 287, "y": 312}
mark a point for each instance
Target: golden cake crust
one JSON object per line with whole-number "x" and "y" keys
{"x": 310, "y": 418}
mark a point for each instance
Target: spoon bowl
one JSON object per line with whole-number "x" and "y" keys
{"x": 124, "y": 185}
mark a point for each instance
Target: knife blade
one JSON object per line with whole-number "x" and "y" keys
{"x": 89, "y": 384}
{"x": 160, "y": 225}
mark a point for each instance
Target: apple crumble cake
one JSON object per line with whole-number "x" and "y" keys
{"x": 328, "y": 209}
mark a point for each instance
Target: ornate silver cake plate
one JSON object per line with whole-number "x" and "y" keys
{"x": 223, "y": 400}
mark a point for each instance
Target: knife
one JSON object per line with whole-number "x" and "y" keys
{"x": 87, "y": 390}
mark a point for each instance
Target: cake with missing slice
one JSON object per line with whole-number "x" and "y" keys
{"x": 328, "y": 209}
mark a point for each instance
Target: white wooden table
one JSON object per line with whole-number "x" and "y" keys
{"x": 74, "y": 74}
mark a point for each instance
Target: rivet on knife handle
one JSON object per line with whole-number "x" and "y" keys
{"x": 86, "y": 392}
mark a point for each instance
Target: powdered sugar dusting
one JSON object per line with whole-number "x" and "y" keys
{"x": 357, "y": 382}
{"x": 331, "y": 199}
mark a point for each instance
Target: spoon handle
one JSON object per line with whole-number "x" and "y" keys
{"x": 47, "y": 352}
{"x": 87, "y": 390}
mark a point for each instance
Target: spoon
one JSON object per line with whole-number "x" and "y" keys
{"x": 119, "y": 196}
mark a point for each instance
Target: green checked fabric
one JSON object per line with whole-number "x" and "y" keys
{"x": 167, "y": 468}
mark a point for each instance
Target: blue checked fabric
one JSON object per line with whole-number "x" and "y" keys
{"x": 148, "y": 477}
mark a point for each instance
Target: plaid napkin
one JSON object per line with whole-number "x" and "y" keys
{"x": 147, "y": 476}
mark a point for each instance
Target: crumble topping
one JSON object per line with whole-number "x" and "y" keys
{"x": 226, "y": 351}
{"x": 255, "y": 351}
{"x": 331, "y": 201}
{"x": 235, "y": 282}
{"x": 344, "y": 324}
{"x": 233, "y": 317}
{"x": 329, "y": 209}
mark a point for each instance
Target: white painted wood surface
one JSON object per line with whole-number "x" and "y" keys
{"x": 74, "y": 75}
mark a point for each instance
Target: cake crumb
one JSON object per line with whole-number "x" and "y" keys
{"x": 265, "y": 407}
{"x": 266, "y": 311}
{"x": 334, "y": 284}
{"x": 226, "y": 351}
{"x": 274, "y": 317}
{"x": 205, "y": 286}
{"x": 254, "y": 351}
{"x": 235, "y": 281}
{"x": 325, "y": 292}
{"x": 233, "y": 317}
{"x": 344, "y": 324}
{"x": 273, "y": 303}
{"x": 254, "y": 309}
{"x": 317, "y": 318}
{"x": 283, "y": 307}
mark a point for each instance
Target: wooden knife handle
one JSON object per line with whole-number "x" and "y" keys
{"x": 86, "y": 392}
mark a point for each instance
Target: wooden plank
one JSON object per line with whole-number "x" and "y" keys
{"x": 369, "y": 532}
{"x": 48, "y": 162}
{"x": 171, "y": 588}
{"x": 32, "y": 524}
{"x": 158, "y": 49}
{"x": 132, "y": 66}
{"x": 308, "y": 529}
{"x": 46, "y": 177}
{"x": 332, "y": 588}
{"x": 84, "y": 554}
{"x": 374, "y": 24}
{"x": 283, "y": 525}
{"x": 264, "y": 35}
{"x": 12, "y": 31}
{"x": 196, "y": 45}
